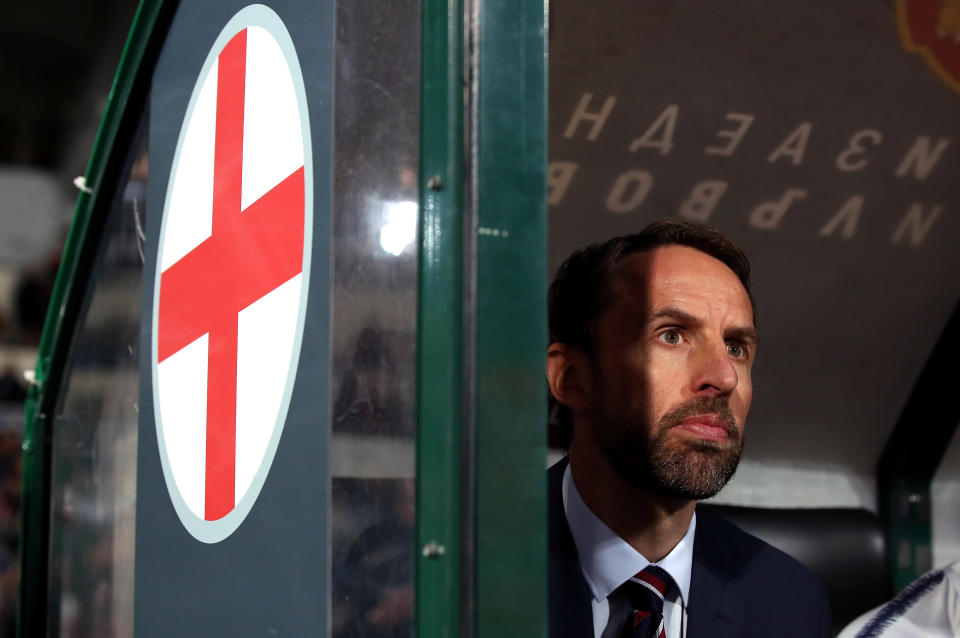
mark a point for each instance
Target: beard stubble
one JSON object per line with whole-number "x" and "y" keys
{"x": 672, "y": 466}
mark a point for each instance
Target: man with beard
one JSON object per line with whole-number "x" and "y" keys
{"x": 652, "y": 341}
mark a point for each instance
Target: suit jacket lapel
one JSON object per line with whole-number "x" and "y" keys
{"x": 714, "y": 609}
{"x": 570, "y": 614}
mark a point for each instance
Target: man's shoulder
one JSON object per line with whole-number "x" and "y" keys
{"x": 556, "y": 469}
{"x": 559, "y": 535}
{"x": 567, "y": 593}
{"x": 774, "y": 593}
{"x": 712, "y": 524}
{"x": 743, "y": 548}
{"x": 754, "y": 567}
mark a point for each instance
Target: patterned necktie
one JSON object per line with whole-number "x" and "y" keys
{"x": 636, "y": 607}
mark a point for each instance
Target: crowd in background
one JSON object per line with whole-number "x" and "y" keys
{"x": 21, "y": 322}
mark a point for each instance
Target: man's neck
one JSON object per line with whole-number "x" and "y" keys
{"x": 651, "y": 524}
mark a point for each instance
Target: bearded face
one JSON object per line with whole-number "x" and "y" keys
{"x": 657, "y": 459}
{"x": 669, "y": 374}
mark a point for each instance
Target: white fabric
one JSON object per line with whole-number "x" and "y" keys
{"x": 935, "y": 614}
{"x": 608, "y": 561}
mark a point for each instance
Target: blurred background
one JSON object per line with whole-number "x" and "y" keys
{"x": 57, "y": 61}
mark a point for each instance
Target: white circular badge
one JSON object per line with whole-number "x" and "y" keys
{"x": 230, "y": 290}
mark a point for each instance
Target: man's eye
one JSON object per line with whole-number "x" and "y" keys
{"x": 670, "y": 336}
{"x": 736, "y": 349}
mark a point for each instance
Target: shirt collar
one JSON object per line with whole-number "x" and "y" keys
{"x": 607, "y": 560}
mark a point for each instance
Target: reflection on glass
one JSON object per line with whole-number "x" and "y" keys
{"x": 374, "y": 318}
{"x": 94, "y": 435}
{"x": 400, "y": 228}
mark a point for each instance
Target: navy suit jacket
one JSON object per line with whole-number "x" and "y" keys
{"x": 740, "y": 587}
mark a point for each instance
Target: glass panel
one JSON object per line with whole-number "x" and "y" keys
{"x": 94, "y": 440}
{"x": 374, "y": 317}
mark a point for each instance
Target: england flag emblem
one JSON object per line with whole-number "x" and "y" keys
{"x": 230, "y": 288}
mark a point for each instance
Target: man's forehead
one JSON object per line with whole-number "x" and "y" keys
{"x": 669, "y": 271}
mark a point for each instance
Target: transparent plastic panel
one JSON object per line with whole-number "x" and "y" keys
{"x": 374, "y": 318}
{"x": 94, "y": 433}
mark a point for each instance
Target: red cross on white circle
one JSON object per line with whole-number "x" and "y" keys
{"x": 232, "y": 266}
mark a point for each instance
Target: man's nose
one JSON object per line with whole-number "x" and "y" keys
{"x": 714, "y": 370}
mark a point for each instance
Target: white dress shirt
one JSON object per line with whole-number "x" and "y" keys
{"x": 608, "y": 561}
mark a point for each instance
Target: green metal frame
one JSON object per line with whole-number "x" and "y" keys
{"x": 439, "y": 321}
{"x": 480, "y": 376}
{"x": 511, "y": 332}
{"x": 128, "y": 87}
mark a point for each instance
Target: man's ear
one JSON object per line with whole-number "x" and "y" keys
{"x": 569, "y": 376}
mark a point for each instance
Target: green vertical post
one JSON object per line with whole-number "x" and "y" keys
{"x": 480, "y": 392}
{"x": 439, "y": 321}
{"x": 511, "y": 336}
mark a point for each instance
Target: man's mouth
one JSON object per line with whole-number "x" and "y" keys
{"x": 710, "y": 427}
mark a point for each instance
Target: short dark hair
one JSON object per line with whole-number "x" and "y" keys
{"x": 583, "y": 288}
